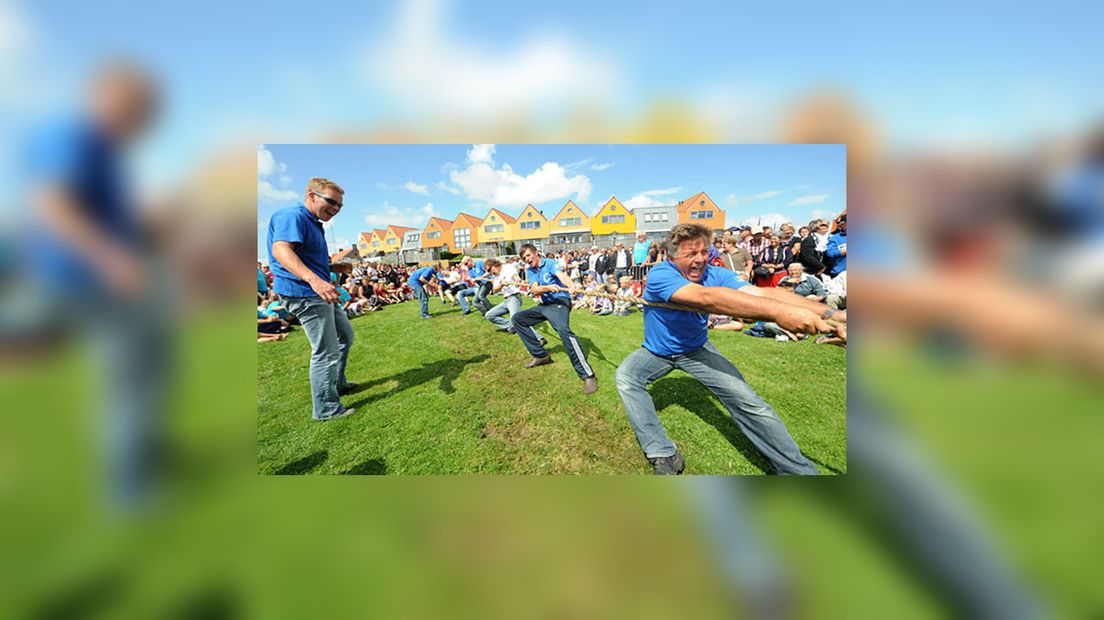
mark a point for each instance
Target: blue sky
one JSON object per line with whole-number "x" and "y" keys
{"x": 406, "y": 184}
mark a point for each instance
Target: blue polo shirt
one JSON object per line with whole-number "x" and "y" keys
{"x": 674, "y": 332}
{"x": 476, "y": 270}
{"x": 546, "y": 275}
{"x": 75, "y": 156}
{"x": 300, "y": 227}
{"x": 424, "y": 272}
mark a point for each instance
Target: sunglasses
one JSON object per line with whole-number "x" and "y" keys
{"x": 329, "y": 201}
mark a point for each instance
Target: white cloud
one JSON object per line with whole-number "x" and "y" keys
{"x": 502, "y": 187}
{"x": 267, "y": 193}
{"x": 601, "y": 167}
{"x": 416, "y": 188}
{"x": 645, "y": 198}
{"x": 388, "y": 214}
{"x": 444, "y": 187}
{"x": 481, "y": 153}
{"x": 733, "y": 200}
{"x": 343, "y": 243}
{"x": 822, "y": 214}
{"x": 266, "y": 163}
{"x": 420, "y": 60}
{"x": 757, "y": 222}
{"x": 811, "y": 199}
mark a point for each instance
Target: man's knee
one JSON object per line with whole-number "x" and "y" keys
{"x": 626, "y": 380}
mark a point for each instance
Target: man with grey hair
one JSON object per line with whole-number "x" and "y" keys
{"x": 679, "y": 339}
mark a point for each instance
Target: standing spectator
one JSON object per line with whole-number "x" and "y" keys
{"x": 743, "y": 238}
{"x": 622, "y": 260}
{"x": 602, "y": 266}
{"x": 772, "y": 263}
{"x": 642, "y": 252}
{"x": 759, "y": 242}
{"x": 736, "y": 258}
{"x": 836, "y": 251}
{"x": 809, "y": 257}
{"x": 301, "y": 262}
{"x": 592, "y": 261}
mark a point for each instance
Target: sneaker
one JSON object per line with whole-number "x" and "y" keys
{"x": 349, "y": 387}
{"x": 539, "y": 361}
{"x": 344, "y": 412}
{"x": 590, "y": 385}
{"x": 668, "y": 465}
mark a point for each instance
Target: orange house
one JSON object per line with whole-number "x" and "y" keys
{"x": 700, "y": 209}
{"x": 497, "y": 227}
{"x": 465, "y": 233}
{"x": 531, "y": 225}
{"x": 437, "y": 234}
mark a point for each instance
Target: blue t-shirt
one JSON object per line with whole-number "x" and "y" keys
{"x": 476, "y": 270}
{"x": 424, "y": 272}
{"x": 79, "y": 159}
{"x": 546, "y": 275}
{"x": 640, "y": 251}
{"x": 270, "y": 310}
{"x": 674, "y": 332}
{"x": 300, "y": 227}
{"x": 343, "y": 294}
{"x": 262, "y": 283}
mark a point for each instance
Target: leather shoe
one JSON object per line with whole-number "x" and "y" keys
{"x": 539, "y": 361}
{"x": 590, "y": 385}
{"x": 349, "y": 387}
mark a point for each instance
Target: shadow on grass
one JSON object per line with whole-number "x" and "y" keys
{"x": 371, "y": 467}
{"x": 446, "y": 370}
{"x": 591, "y": 350}
{"x": 303, "y": 465}
{"x": 696, "y": 398}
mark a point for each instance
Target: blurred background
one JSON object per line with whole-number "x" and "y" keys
{"x": 975, "y": 139}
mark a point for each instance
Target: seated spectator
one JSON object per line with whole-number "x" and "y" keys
{"x": 772, "y": 263}
{"x": 837, "y": 292}
{"x": 780, "y": 334}
{"x": 275, "y": 306}
{"x": 624, "y": 308}
{"x": 809, "y": 287}
{"x": 724, "y": 323}
{"x": 602, "y": 306}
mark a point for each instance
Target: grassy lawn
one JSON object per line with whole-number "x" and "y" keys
{"x": 450, "y": 395}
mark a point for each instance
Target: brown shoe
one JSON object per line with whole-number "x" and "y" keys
{"x": 590, "y": 385}
{"x": 539, "y": 361}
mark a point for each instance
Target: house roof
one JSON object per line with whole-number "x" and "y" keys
{"x": 534, "y": 210}
{"x": 443, "y": 223}
{"x": 506, "y": 217}
{"x": 564, "y": 208}
{"x": 400, "y": 230}
{"x": 470, "y": 219}
{"x": 345, "y": 255}
{"x": 606, "y": 204}
{"x": 686, "y": 204}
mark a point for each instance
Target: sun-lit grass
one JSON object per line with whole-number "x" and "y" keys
{"x": 450, "y": 395}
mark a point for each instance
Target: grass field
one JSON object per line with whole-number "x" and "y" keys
{"x": 449, "y": 395}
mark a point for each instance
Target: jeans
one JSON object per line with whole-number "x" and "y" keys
{"x": 509, "y": 306}
{"x": 558, "y": 316}
{"x": 330, "y": 336}
{"x": 617, "y": 273}
{"x": 755, "y": 418}
{"x": 480, "y": 300}
{"x": 468, "y": 292}
{"x": 423, "y": 299}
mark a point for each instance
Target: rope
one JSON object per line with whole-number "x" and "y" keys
{"x": 837, "y": 327}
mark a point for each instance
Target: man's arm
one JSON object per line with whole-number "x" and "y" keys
{"x": 285, "y": 253}
{"x": 62, "y": 214}
{"x": 789, "y": 297}
{"x": 744, "y": 303}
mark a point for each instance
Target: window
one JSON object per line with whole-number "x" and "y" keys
{"x": 647, "y": 218}
{"x": 412, "y": 238}
{"x": 571, "y": 221}
{"x": 613, "y": 208}
{"x": 375, "y": 243}
{"x": 701, "y": 215}
{"x": 494, "y": 228}
{"x": 436, "y": 234}
{"x": 493, "y": 218}
{"x": 663, "y": 216}
{"x": 613, "y": 219}
{"x": 462, "y": 237}
{"x": 530, "y": 225}
{"x": 702, "y": 203}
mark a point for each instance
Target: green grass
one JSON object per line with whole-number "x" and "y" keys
{"x": 450, "y": 395}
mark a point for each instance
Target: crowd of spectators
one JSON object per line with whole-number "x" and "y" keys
{"x": 811, "y": 261}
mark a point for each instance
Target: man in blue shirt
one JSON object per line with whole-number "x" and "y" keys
{"x": 679, "y": 339}
{"x": 418, "y": 281}
{"x": 837, "y": 248}
{"x": 544, "y": 277}
{"x": 300, "y": 263}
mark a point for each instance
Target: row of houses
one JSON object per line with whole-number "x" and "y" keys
{"x": 498, "y": 233}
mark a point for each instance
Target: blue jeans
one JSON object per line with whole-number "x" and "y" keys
{"x": 330, "y": 336}
{"x": 558, "y": 316}
{"x": 509, "y": 306}
{"x": 468, "y": 292}
{"x": 756, "y": 419}
{"x": 423, "y": 299}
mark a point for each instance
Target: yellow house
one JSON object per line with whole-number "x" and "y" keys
{"x": 465, "y": 233}
{"x": 375, "y": 242}
{"x": 364, "y": 243}
{"x": 393, "y": 238}
{"x": 530, "y": 225}
{"x": 700, "y": 209}
{"x": 437, "y": 233}
{"x": 612, "y": 219}
{"x": 497, "y": 227}
{"x": 570, "y": 219}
